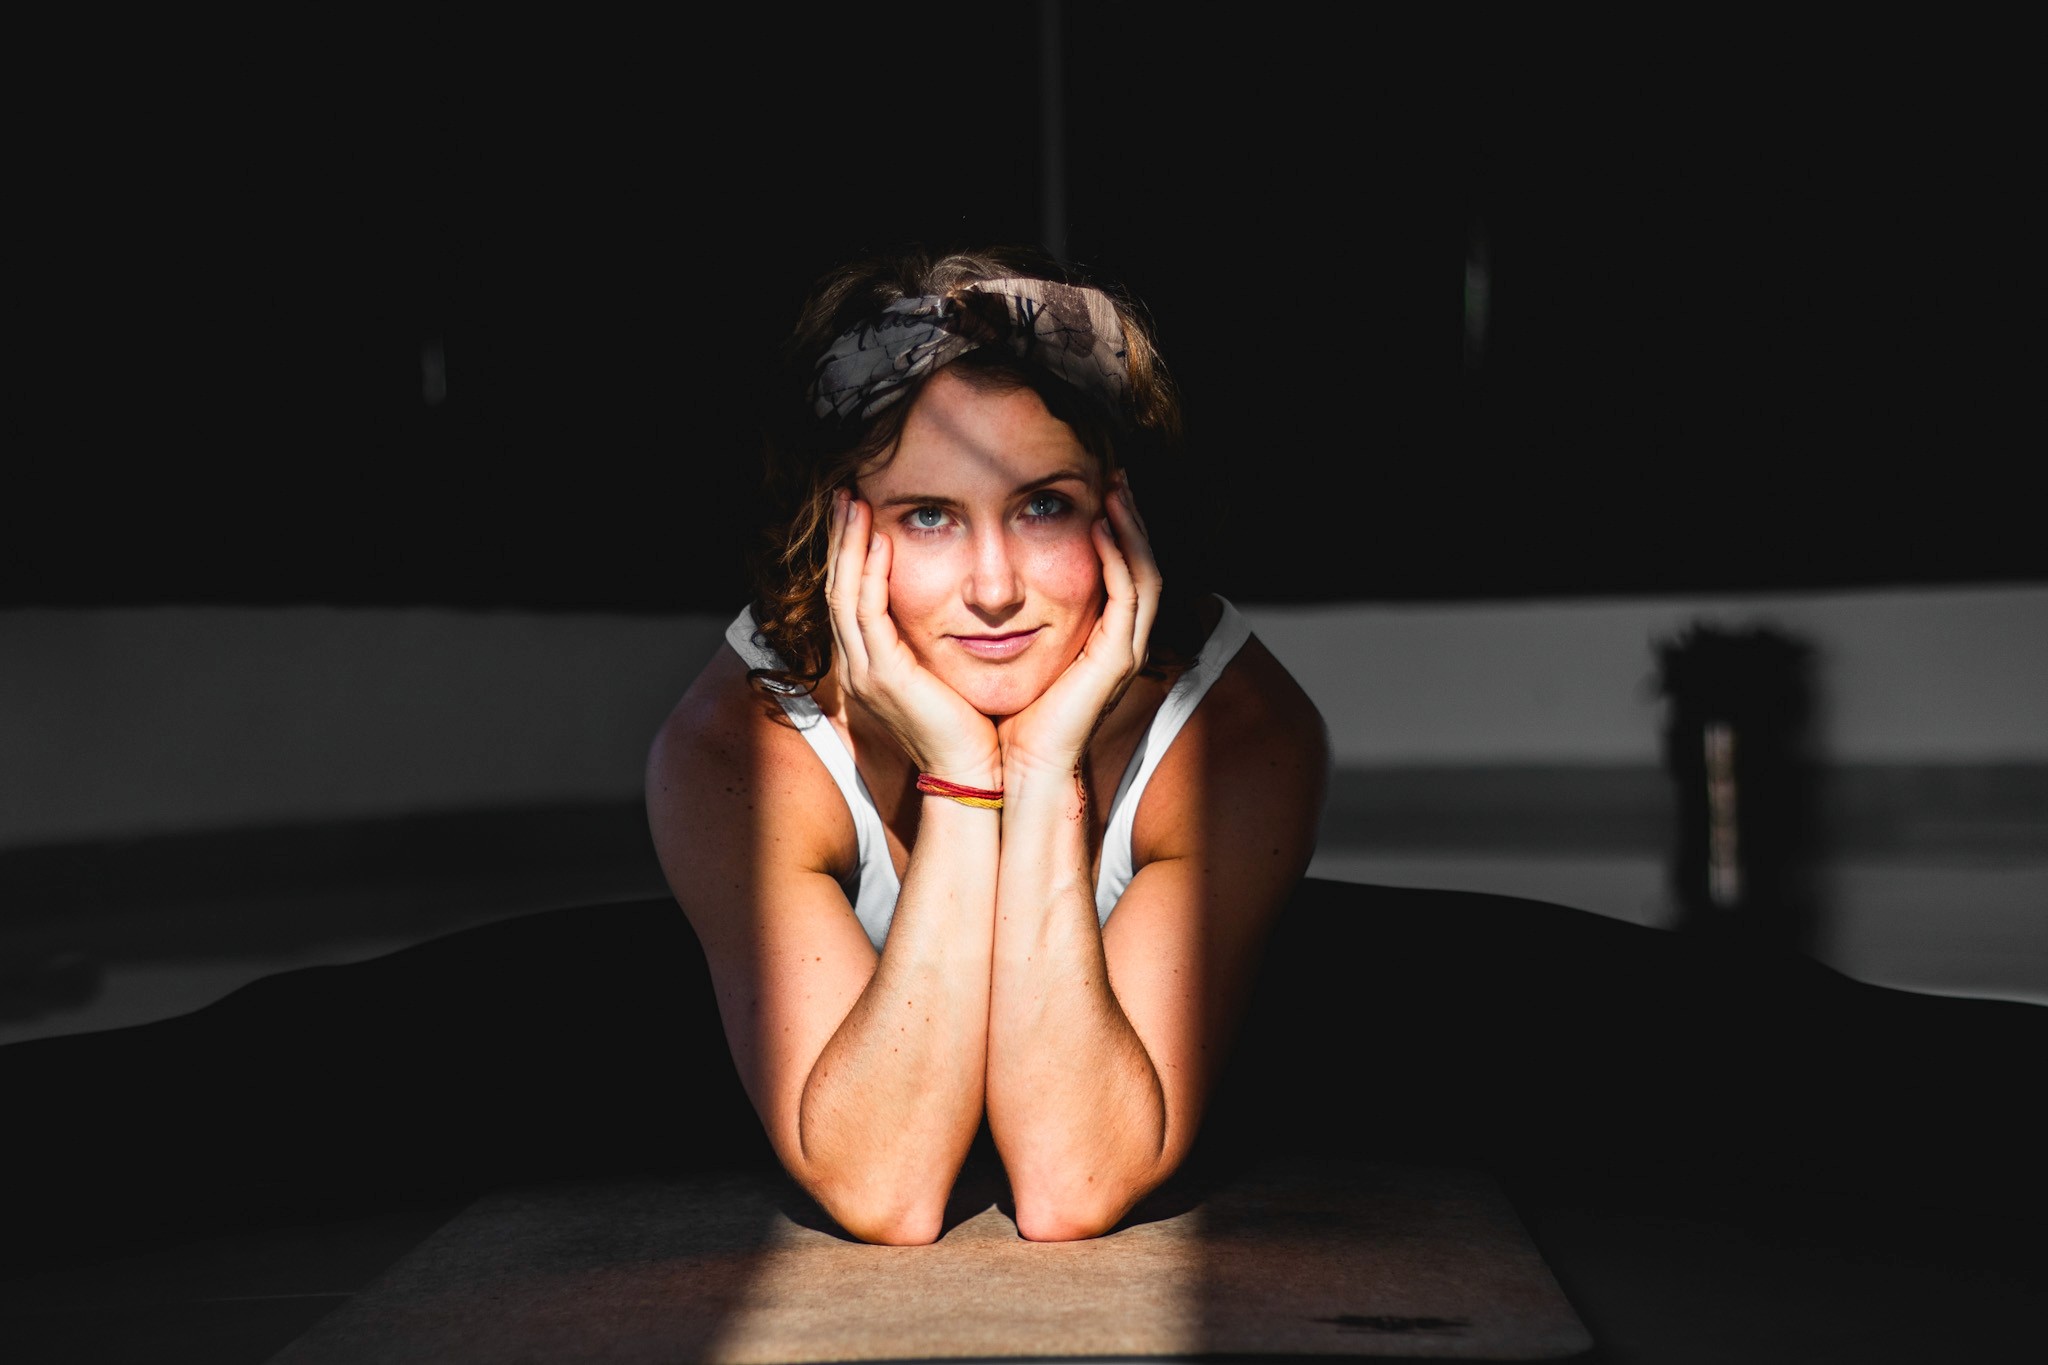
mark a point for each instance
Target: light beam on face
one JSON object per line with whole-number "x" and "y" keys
{"x": 987, "y": 500}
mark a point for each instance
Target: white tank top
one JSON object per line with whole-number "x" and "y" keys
{"x": 872, "y": 888}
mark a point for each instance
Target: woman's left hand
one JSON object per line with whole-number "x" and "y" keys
{"x": 1053, "y": 732}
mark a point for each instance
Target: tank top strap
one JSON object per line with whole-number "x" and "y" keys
{"x": 1118, "y": 862}
{"x": 873, "y": 887}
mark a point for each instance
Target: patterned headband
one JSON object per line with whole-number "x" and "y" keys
{"x": 1074, "y": 331}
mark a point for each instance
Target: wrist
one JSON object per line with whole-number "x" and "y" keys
{"x": 986, "y": 798}
{"x": 967, "y": 767}
{"x": 1024, "y": 777}
{"x": 987, "y": 774}
{"x": 1022, "y": 765}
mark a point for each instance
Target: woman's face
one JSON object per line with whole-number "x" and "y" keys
{"x": 986, "y": 499}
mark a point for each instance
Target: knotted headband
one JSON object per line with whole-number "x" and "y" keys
{"x": 1072, "y": 330}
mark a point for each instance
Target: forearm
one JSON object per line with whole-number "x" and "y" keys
{"x": 1074, "y": 1103}
{"x": 894, "y": 1101}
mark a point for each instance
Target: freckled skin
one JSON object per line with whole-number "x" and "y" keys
{"x": 992, "y": 561}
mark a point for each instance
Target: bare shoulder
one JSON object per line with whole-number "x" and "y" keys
{"x": 1259, "y": 729}
{"x": 1262, "y": 704}
{"x": 728, "y": 778}
{"x": 1255, "y": 752}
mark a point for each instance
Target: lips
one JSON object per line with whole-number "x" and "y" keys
{"x": 996, "y": 647}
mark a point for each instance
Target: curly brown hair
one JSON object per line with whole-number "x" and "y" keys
{"x": 808, "y": 457}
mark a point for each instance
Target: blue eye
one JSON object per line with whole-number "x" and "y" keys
{"x": 927, "y": 518}
{"x": 1044, "y": 506}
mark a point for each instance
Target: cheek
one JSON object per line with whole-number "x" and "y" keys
{"x": 919, "y": 583}
{"x": 1068, "y": 570}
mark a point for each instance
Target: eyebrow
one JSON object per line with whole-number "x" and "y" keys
{"x": 937, "y": 500}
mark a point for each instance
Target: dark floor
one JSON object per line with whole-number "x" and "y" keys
{"x": 224, "y": 1299}
{"x": 1698, "y": 1289}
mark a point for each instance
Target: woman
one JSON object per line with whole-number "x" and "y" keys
{"x": 971, "y": 830}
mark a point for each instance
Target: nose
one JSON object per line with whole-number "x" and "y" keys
{"x": 994, "y": 587}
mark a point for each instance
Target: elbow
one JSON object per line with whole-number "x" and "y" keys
{"x": 894, "y": 1223}
{"x": 1069, "y": 1216}
{"x": 1057, "y": 1226}
{"x": 1063, "y": 1200}
{"x": 891, "y": 1232}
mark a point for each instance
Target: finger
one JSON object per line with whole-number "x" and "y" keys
{"x": 849, "y": 565}
{"x": 835, "y": 525}
{"x": 1121, "y": 600}
{"x": 872, "y": 608}
{"x": 1140, "y": 563}
{"x": 846, "y": 547}
{"x": 1132, "y": 537}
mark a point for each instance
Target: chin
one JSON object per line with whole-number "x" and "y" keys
{"x": 1000, "y": 696}
{"x": 1002, "y": 689}
{"x": 998, "y": 689}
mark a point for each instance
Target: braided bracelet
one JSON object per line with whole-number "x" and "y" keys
{"x": 966, "y": 796}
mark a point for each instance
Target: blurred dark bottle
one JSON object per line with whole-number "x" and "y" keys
{"x": 1736, "y": 741}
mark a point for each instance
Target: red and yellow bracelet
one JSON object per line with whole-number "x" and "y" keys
{"x": 966, "y": 796}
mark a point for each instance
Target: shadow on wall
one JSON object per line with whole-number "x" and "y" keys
{"x": 1737, "y": 746}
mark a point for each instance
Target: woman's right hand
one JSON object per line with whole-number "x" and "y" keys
{"x": 941, "y": 732}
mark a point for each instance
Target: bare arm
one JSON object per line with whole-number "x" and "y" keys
{"x": 889, "y": 1110}
{"x": 1103, "y": 1044}
{"x": 866, "y": 1069}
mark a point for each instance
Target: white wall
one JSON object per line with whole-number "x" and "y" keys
{"x": 1901, "y": 676}
{"x": 126, "y": 722}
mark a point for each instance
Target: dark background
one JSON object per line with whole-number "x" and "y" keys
{"x": 1762, "y": 309}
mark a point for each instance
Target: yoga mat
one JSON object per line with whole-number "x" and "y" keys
{"x": 1281, "y": 1259}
